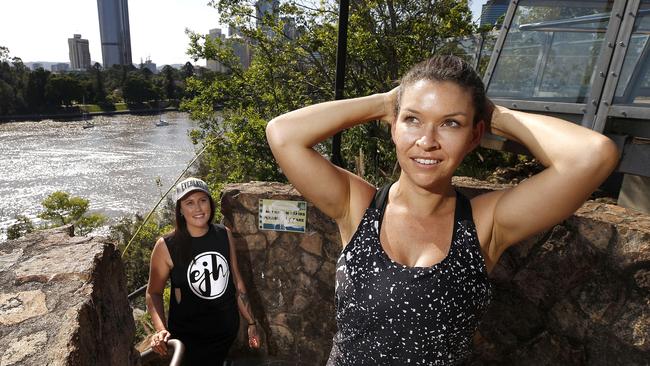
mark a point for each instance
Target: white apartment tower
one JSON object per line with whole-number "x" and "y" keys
{"x": 79, "y": 53}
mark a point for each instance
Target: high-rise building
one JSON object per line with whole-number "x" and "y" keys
{"x": 150, "y": 65}
{"x": 242, "y": 49}
{"x": 240, "y": 46}
{"x": 492, "y": 10}
{"x": 79, "y": 53}
{"x": 114, "y": 32}
{"x": 213, "y": 64}
{"x": 289, "y": 28}
{"x": 263, "y": 8}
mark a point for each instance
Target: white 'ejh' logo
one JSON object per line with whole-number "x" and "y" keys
{"x": 208, "y": 274}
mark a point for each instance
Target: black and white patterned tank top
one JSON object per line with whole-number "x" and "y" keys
{"x": 391, "y": 314}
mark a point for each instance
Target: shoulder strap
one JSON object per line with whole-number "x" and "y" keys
{"x": 463, "y": 208}
{"x": 379, "y": 201}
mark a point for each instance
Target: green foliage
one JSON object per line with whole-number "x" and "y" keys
{"x": 61, "y": 209}
{"x": 88, "y": 222}
{"x": 13, "y": 83}
{"x": 98, "y": 83}
{"x": 63, "y": 89}
{"x": 144, "y": 324}
{"x": 292, "y": 68}
{"x": 35, "y": 93}
{"x": 138, "y": 89}
{"x": 27, "y": 92}
{"x": 4, "y": 54}
{"x": 136, "y": 259}
{"x": 22, "y": 227}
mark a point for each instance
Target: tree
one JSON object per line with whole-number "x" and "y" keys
{"x": 4, "y": 54}
{"x": 136, "y": 258}
{"x": 35, "y": 94}
{"x": 63, "y": 89}
{"x": 62, "y": 209}
{"x": 22, "y": 227}
{"x": 169, "y": 82}
{"x": 13, "y": 80}
{"x": 187, "y": 70}
{"x": 138, "y": 89}
{"x": 98, "y": 83}
{"x": 7, "y": 105}
{"x": 293, "y": 65}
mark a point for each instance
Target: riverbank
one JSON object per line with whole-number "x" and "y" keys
{"x": 121, "y": 165}
{"x": 78, "y": 111}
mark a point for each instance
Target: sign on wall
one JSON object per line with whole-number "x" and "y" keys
{"x": 281, "y": 215}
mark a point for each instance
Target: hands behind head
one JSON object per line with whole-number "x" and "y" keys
{"x": 488, "y": 111}
{"x": 159, "y": 342}
{"x": 390, "y": 105}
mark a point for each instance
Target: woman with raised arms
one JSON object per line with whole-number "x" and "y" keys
{"x": 411, "y": 281}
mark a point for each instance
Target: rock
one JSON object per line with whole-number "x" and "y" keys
{"x": 63, "y": 301}
{"x": 312, "y": 243}
{"x": 576, "y": 294}
{"x": 17, "y": 307}
{"x": 310, "y": 263}
{"x": 292, "y": 276}
{"x": 23, "y": 347}
{"x": 250, "y": 242}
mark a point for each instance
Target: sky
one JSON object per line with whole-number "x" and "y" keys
{"x": 38, "y": 30}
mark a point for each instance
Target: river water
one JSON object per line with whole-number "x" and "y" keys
{"x": 115, "y": 164}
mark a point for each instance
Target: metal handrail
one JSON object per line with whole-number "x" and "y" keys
{"x": 137, "y": 293}
{"x": 177, "y": 356}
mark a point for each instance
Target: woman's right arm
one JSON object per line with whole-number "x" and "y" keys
{"x": 340, "y": 194}
{"x": 159, "y": 270}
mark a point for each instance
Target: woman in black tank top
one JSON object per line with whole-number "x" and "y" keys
{"x": 411, "y": 281}
{"x": 206, "y": 288}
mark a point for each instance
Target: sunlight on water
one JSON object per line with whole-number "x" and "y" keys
{"x": 114, "y": 164}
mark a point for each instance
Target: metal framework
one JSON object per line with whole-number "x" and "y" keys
{"x": 626, "y": 123}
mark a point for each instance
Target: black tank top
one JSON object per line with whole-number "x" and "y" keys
{"x": 207, "y": 308}
{"x": 391, "y": 314}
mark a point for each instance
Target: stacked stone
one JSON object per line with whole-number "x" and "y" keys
{"x": 576, "y": 294}
{"x": 290, "y": 276}
{"x": 63, "y": 302}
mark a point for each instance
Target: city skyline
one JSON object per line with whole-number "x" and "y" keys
{"x": 38, "y": 30}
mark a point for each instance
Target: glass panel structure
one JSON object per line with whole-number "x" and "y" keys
{"x": 470, "y": 47}
{"x": 551, "y": 51}
{"x": 489, "y": 39}
{"x": 634, "y": 83}
{"x": 464, "y": 48}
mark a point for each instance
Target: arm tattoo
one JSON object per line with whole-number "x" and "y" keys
{"x": 243, "y": 297}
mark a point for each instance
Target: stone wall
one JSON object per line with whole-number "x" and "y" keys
{"x": 63, "y": 302}
{"x": 289, "y": 276}
{"x": 577, "y": 294}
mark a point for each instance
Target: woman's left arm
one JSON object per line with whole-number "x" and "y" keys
{"x": 242, "y": 298}
{"x": 577, "y": 161}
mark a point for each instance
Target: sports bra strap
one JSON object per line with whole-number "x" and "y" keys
{"x": 463, "y": 208}
{"x": 379, "y": 201}
{"x": 463, "y": 211}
